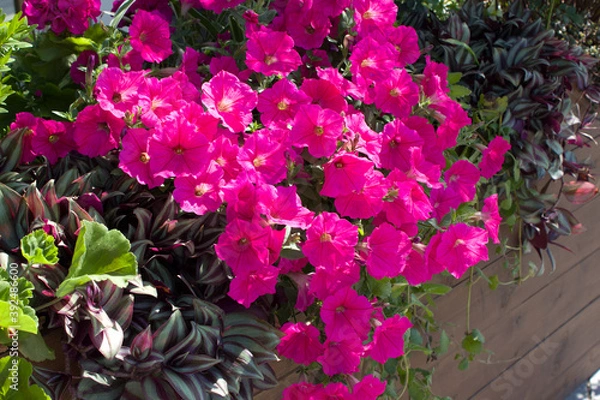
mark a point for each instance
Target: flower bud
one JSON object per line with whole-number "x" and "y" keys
{"x": 579, "y": 192}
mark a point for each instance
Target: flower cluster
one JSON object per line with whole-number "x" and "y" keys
{"x": 325, "y": 174}
{"x": 62, "y": 15}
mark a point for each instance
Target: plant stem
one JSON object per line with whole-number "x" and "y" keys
{"x": 48, "y": 304}
{"x": 470, "y": 285}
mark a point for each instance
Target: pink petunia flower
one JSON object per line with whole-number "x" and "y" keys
{"x": 164, "y": 96}
{"x": 29, "y": 122}
{"x": 318, "y": 129}
{"x": 491, "y": 217}
{"x": 280, "y": 103}
{"x": 97, "y": 131}
{"x": 406, "y": 42}
{"x": 286, "y": 209}
{"x": 244, "y": 246}
{"x": 249, "y": 284}
{"x": 300, "y": 343}
{"x": 374, "y": 15}
{"x": 462, "y": 177}
{"x": 271, "y": 53}
{"x": 225, "y": 154}
{"x": 341, "y": 356}
{"x": 493, "y": 157}
{"x": 331, "y": 279}
{"x": 388, "y": 249}
{"x": 369, "y": 388}
{"x": 461, "y": 247}
{"x": 229, "y": 99}
{"x": 301, "y": 391}
{"x": 371, "y": 61}
{"x": 134, "y": 159}
{"x": 178, "y": 148}
{"x": 330, "y": 240}
{"x": 344, "y": 174}
{"x": 398, "y": 139}
{"x": 416, "y": 270}
{"x": 149, "y": 34}
{"x": 397, "y": 94}
{"x": 201, "y": 193}
{"x": 325, "y": 93}
{"x": 406, "y": 200}
{"x": 388, "y": 341}
{"x": 346, "y": 314}
{"x": 306, "y": 24}
{"x": 120, "y": 92}
{"x": 367, "y": 141}
{"x": 53, "y": 139}
{"x": 218, "y": 6}
{"x": 365, "y": 202}
{"x": 263, "y": 157}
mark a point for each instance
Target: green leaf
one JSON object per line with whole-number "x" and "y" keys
{"x": 38, "y": 248}
{"x": 22, "y": 318}
{"x": 464, "y": 46}
{"x": 34, "y": 348}
{"x": 14, "y": 375}
{"x": 473, "y": 342}
{"x": 493, "y": 282}
{"x": 121, "y": 13}
{"x": 436, "y": 288}
{"x": 380, "y": 288}
{"x": 99, "y": 255}
{"x": 459, "y": 91}
{"x": 444, "y": 343}
{"x": 454, "y": 77}
{"x": 15, "y": 311}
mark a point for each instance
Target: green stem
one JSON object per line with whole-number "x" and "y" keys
{"x": 406, "y": 368}
{"x": 48, "y": 304}
{"x": 470, "y": 285}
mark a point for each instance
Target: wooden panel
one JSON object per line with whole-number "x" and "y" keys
{"x": 554, "y": 367}
{"x": 518, "y": 330}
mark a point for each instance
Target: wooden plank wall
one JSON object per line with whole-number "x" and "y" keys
{"x": 542, "y": 338}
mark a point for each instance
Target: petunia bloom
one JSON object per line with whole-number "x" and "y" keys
{"x": 341, "y": 356}
{"x": 388, "y": 249}
{"x": 229, "y": 99}
{"x": 178, "y": 148}
{"x": 318, "y": 129}
{"x": 97, "y": 131}
{"x": 134, "y": 159}
{"x": 200, "y": 193}
{"x": 300, "y": 343}
{"x": 491, "y": 217}
{"x": 345, "y": 173}
{"x": 330, "y": 240}
{"x": 271, "y": 53}
{"x": 244, "y": 245}
{"x": 149, "y": 34}
{"x": 388, "y": 339}
{"x": 346, "y": 314}
{"x": 461, "y": 247}
{"x": 493, "y": 157}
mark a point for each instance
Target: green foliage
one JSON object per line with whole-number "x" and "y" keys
{"x": 18, "y": 389}
{"x": 99, "y": 255}
{"x": 15, "y": 311}
{"x": 38, "y": 248}
{"x": 13, "y": 35}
